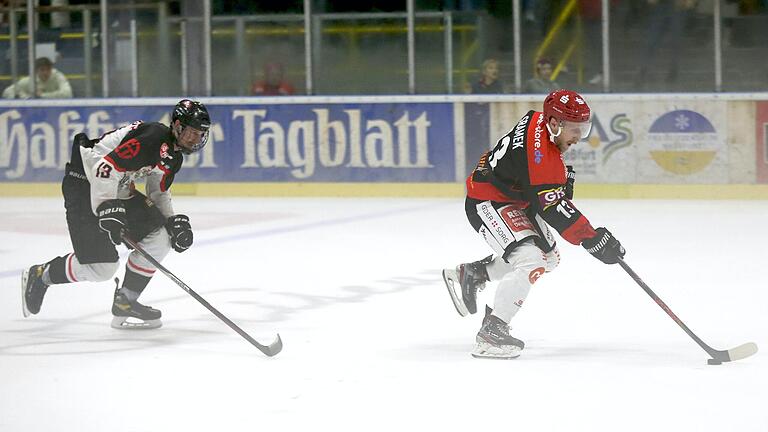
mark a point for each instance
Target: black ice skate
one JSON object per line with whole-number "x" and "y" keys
{"x": 464, "y": 282}
{"x": 494, "y": 341}
{"x": 132, "y": 314}
{"x": 32, "y": 290}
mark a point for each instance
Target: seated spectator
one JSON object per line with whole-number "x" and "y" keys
{"x": 50, "y": 84}
{"x": 489, "y": 79}
{"x": 542, "y": 82}
{"x": 274, "y": 82}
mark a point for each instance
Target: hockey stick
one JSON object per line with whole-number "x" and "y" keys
{"x": 270, "y": 350}
{"x": 718, "y": 356}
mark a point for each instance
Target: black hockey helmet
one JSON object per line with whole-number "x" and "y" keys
{"x": 194, "y": 114}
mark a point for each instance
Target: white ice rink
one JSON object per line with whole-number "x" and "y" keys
{"x": 372, "y": 341}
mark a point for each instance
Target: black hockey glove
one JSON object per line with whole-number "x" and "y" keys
{"x": 569, "y": 181}
{"x": 112, "y": 219}
{"x": 180, "y": 230}
{"x": 604, "y": 247}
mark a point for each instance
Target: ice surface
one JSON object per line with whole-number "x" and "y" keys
{"x": 372, "y": 341}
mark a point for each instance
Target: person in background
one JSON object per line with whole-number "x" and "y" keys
{"x": 489, "y": 82}
{"x": 50, "y": 84}
{"x": 542, "y": 81}
{"x": 274, "y": 82}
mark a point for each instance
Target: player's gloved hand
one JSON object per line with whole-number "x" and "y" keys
{"x": 112, "y": 219}
{"x": 569, "y": 181}
{"x": 604, "y": 247}
{"x": 180, "y": 230}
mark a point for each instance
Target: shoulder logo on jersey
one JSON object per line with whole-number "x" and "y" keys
{"x": 164, "y": 151}
{"x": 128, "y": 149}
{"x": 550, "y": 197}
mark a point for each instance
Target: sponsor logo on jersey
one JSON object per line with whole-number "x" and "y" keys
{"x": 128, "y": 149}
{"x": 550, "y": 197}
{"x": 537, "y": 153}
{"x": 535, "y": 275}
{"x": 515, "y": 218}
{"x": 494, "y": 224}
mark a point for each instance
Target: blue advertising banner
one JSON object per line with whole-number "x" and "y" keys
{"x": 336, "y": 142}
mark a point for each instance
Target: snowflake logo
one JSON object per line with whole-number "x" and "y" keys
{"x": 682, "y": 122}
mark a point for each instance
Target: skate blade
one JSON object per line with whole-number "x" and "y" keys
{"x": 128, "y": 323}
{"x": 451, "y": 282}
{"x": 487, "y": 351}
{"x": 24, "y": 278}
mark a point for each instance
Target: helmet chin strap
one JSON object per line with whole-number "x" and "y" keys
{"x": 553, "y": 135}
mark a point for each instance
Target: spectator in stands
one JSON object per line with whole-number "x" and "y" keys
{"x": 274, "y": 82}
{"x": 50, "y": 84}
{"x": 542, "y": 81}
{"x": 489, "y": 82}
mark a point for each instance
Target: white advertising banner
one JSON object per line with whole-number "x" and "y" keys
{"x": 650, "y": 142}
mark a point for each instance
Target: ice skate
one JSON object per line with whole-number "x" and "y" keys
{"x": 133, "y": 315}
{"x": 463, "y": 284}
{"x": 32, "y": 290}
{"x": 494, "y": 341}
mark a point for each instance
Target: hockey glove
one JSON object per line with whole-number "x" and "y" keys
{"x": 569, "y": 181}
{"x": 112, "y": 219}
{"x": 180, "y": 230}
{"x": 604, "y": 247}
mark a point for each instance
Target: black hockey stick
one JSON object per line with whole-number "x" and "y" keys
{"x": 718, "y": 356}
{"x": 270, "y": 350}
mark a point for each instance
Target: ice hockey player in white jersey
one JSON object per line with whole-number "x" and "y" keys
{"x": 102, "y": 204}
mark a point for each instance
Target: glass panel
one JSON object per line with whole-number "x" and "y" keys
{"x": 662, "y": 46}
{"x": 258, "y": 55}
{"x": 360, "y": 52}
{"x": 562, "y": 45}
{"x": 744, "y": 36}
{"x": 468, "y": 32}
{"x": 158, "y": 53}
{"x": 493, "y": 66}
{"x": 6, "y": 54}
{"x": 430, "y": 41}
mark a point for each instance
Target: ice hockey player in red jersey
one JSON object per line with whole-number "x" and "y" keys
{"x": 517, "y": 190}
{"x": 102, "y": 203}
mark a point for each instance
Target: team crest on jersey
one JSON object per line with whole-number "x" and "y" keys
{"x": 550, "y": 197}
{"x": 128, "y": 149}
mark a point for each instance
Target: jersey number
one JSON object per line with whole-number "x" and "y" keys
{"x": 565, "y": 209}
{"x": 104, "y": 170}
{"x": 499, "y": 152}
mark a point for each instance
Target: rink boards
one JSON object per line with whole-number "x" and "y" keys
{"x": 654, "y": 146}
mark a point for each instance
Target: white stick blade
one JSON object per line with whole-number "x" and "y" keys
{"x": 742, "y": 351}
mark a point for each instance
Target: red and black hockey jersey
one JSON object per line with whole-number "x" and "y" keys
{"x": 124, "y": 155}
{"x": 526, "y": 167}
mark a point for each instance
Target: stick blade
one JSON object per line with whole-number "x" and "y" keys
{"x": 272, "y": 349}
{"x": 742, "y": 351}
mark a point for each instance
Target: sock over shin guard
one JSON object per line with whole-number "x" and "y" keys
{"x": 133, "y": 284}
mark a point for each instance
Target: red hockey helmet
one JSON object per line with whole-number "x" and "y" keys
{"x": 568, "y": 106}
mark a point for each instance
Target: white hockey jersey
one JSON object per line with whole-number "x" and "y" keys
{"x": 122, "y": 156}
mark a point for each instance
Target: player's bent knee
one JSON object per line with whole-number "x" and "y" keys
{"x": 527, "y": 261}
{"x": 158, "y": 243}
{"x": 99, "y": 272}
